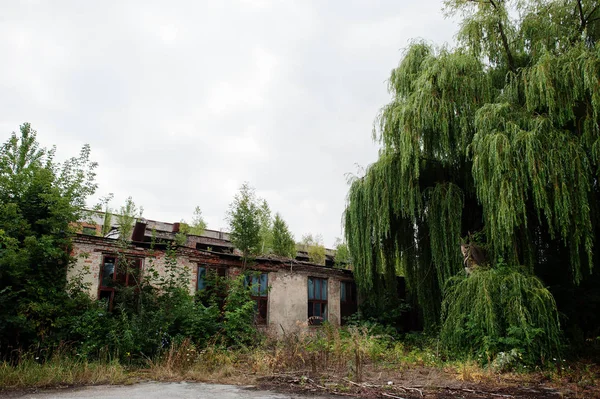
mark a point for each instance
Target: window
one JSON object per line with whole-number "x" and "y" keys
{"x": 204, "y": 281}
{"x": 348, "y": 303}
{"x": 317, "y": 301}
{"x": 259, "y": 291}
{"x": 211, "y": 285}
{"x": 115, "y": 273}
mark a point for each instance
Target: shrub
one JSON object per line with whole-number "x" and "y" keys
{"x": 501, "y": 310}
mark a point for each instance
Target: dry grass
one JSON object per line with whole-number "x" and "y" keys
{"x": 470, "y": 371}
{"x": 318, "y": 357}
{"x": 60, "y": 371}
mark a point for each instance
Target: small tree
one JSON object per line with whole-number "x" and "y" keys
{"x": 244, "y": 222}
{"x": 40, "y": 201}
{"x": 342, "y": 254}
{"x": 283, "y": 240}
{"x": 127, "y": 217}
{"x": 104, "y": 207}
{"x": 266, "y": 230}
{"x": 198, "y": 224}
{"x": 314, "y": 247}
{"x": 196, "y": 228}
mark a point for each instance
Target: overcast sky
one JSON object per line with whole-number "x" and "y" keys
{"x": 183, "y": 101}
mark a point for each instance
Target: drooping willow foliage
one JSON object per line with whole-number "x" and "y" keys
{"x": 497, "y": 310}
{"x": 499, "y": 136}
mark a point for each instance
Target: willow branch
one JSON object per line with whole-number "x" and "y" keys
{"x": 509, "y": 57}
{"x": 581, "y": 16}
{"x": 591, "y": 13}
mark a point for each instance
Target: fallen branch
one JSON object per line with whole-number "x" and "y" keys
{"x": 365, "y": 385}
{"x": 352, "y": 382}
{"x": 392, "y": 396}
{"x": 411, "y": 389}
{"x": 478, "y": 392}
{"x": 315, "y": 384}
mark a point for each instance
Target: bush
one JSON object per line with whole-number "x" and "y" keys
{"x": 501, "y": 310}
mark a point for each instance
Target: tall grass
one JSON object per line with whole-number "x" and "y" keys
{"x": 352, "y": 353}
{"x": 60, "y": 370}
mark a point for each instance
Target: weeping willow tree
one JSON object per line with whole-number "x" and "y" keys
{"x": 500, "y": 310}
{"x": 498, "y": 137}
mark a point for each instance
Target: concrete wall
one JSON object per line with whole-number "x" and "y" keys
{"x": 288, "y": 299}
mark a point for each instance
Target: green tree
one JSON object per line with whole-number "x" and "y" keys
{"x": 244, "y": 222}
{"x": 266, "y": 227}
{"x": 104, "y": 207}
{"x": 313, "y": 245}
{"x": 283, "y": 240}
{"x": 196, "y": 228}
{"x": 497, "y": 138}
{"x": 198, "y": 224}
{"x": 40, "y": 201}
{"x": 342, "y": 254}
{"x": 127, "y": 217}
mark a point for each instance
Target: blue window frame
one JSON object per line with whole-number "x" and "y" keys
{"x": 259, "y": 291}
{"x": 317, "y": 300}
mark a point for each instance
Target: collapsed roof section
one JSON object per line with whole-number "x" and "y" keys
{"x": 148, "y": 232}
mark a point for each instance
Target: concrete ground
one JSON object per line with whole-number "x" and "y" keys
{"x": 156, "y": 390}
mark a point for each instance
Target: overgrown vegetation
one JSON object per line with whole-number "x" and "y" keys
{"x": 283, "y": 240}
{"x": 254, "y": 231}
{"x": 52, "y": 333}
{"x": 495, "y": 139}
{"x": 313, "y": 246}
{"x": 500, "y": 311}
{"x": 41, "y": 204}
{"x": 494, "y": 144}
{"x": 342, "y": 254}
{"x": 39, "y": 198}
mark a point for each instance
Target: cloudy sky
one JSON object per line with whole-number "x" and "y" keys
{"x": 183, "y": 101}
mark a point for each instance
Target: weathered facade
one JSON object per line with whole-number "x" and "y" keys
{"x": 290, "y": 293}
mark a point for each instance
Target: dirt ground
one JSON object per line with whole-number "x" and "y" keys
{"x": 424, "y": 382}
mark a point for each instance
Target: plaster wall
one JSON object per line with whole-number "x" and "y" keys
{"x": 89, "y": 257}
{"x": 288, "y": 300}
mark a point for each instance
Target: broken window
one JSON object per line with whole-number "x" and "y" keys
{"x": 317, "y": 301}
{"x": 348, "y": 303}
{"x": 206, "y": 275}
{"x": 211, "y": 285}
{"x": 259, "y": 292}
{"x": 116, "y": 272}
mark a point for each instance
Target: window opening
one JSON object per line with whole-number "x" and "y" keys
{"x": 348, "y": 302}
{"x": 211, "y": 284}
{"x": 206, "y": 275}
{"x": 115, "y": 273}
{"x": 317, "y": 301}
{"x": 259, "y": 292}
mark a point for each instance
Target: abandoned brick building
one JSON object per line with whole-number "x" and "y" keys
{"x": 289, "y": 293}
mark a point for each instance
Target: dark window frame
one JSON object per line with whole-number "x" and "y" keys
{"x": 260, "y": 295}
{"x": 348, "y": 300}
{"x": 317, "y": 302}
{"x": 208, "y": 292}
{"x": 118, "y": 278}
{"x": 208, "y": 268}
